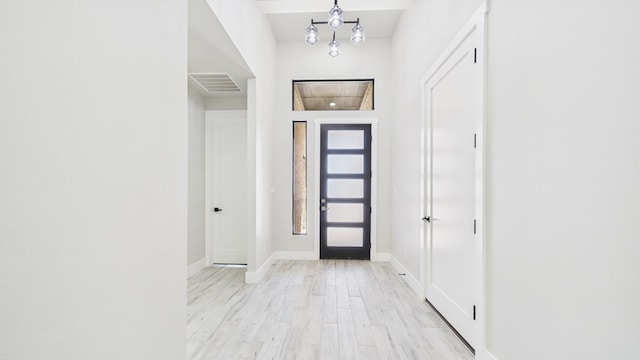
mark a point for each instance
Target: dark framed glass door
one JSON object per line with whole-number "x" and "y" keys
{"x": 345, "y": 191}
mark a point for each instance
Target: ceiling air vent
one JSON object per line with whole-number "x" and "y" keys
{"x": 219, "y": 83}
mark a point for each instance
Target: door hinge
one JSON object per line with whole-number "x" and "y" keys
{"x": 370, "y": 210}
{"x": 475, "y": 141}
{"x": 474, "y": 312}
{"x": 475, "y": 55}
{"x": 474, "y": 226}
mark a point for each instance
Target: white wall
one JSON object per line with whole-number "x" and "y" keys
{"x": 299, "y": 61}
{"x": 93, "y": 187}
{"x": 226, "y": 103}
{"x": 196, "y": 215}
{"x": 251, "y": 33}
{"x": 563, "y": 195}
{"x": 423, "y": 33}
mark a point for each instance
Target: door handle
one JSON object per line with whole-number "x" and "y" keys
{"x": 217, "y": 209}
{"x": 427, "y": 219}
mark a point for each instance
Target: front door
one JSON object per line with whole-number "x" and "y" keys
{"x": 345, "y": 191}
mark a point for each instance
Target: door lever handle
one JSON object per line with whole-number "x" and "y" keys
{"x": 427, "y": 219}
{"x": 217, "y": 209}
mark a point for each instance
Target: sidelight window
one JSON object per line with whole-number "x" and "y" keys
{"x": 299, "y": 178}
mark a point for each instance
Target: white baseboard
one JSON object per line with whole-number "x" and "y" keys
{"x": 381, "y": 256}
{"x": 196, "y": 267}
{"x": 254, "y": 277}
{"x": 251, "y": 277}
{"x": 414, "y": 284}
{"x": 489, "y": 356}
{"x": 295, "y": 255}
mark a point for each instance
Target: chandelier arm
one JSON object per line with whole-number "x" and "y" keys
{"x": 326, "y": 22}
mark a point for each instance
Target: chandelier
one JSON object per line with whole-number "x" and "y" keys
{"x": 335, "y": 20}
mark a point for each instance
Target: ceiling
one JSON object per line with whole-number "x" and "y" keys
{"x": 289, "y": 18}
{"x": 211, "y": 51}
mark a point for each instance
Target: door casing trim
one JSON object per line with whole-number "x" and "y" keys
{"x": 374, "y": 180}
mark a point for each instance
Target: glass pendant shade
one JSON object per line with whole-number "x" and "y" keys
{"x": 312, "y": 35}
{"x": 334, "y": 48}
{"x": 335, "y": 17}
{"x": 357, "y": 34}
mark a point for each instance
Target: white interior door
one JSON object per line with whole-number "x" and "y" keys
{"x": 227, "y": 165}
{"x": 452, "y": 98}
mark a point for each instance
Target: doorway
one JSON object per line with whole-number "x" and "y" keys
{"x": 345, "y": 191}
{"x": 453, "y": 174}
{"x": 226, "y": 187}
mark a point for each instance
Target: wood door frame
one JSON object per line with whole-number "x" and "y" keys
{"x": 477, "y": 22}
{"x": 210, "y": 116}
{"x": 374, "y": 180}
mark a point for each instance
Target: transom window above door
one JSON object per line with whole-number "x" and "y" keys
{"x": 329, "y": 95}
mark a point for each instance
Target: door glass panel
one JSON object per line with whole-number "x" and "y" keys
{"x": 351, "y": 237}
{"x": 344, "y": 212}
{"x": 345, "y": 139}
{"x": 345, "y": 188}
{"x": 345, "y": 164}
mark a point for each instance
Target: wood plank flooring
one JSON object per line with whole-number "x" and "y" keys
{"x": 327, "y": 309}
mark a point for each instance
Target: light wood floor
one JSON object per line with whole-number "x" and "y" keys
{"x": 328, "y": 309}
